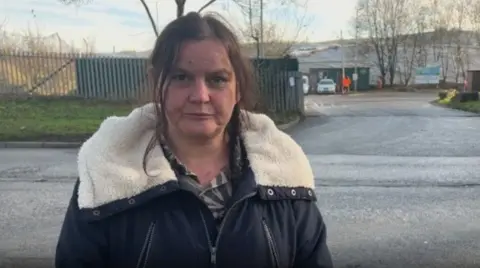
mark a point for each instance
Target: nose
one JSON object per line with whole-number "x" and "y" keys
{"x": 199, "y": 91}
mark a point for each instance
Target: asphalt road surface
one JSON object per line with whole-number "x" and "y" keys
{"x": 397, "y": 184}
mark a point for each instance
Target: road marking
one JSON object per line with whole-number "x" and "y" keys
{"x": 317, "y": 107}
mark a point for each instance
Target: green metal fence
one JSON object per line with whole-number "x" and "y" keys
{"x": 111, "y": 78}
{"x": 279, "y": 84}
{"x": 116, "y": 78}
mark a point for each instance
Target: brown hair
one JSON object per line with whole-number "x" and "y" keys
{"x": 191, "y": 27}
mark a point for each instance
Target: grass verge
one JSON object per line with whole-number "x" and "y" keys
{"x": 469, "y": 106}
{"x": 55, "y": 119}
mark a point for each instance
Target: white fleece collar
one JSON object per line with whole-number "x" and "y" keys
{"x": 110, "y": 162}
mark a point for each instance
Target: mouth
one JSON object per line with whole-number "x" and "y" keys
{"x": 198, "y": 115}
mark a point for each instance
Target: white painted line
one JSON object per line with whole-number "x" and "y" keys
{"x": 317, "y": 105}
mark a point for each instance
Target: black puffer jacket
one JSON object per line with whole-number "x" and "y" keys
{"x": 120, "y": 217}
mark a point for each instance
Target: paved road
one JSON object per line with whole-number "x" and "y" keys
{"x": 396, "y": 180}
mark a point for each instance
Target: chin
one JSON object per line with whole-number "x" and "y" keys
{"x": 200, "y": 130}
{"x": 195, "y": 134}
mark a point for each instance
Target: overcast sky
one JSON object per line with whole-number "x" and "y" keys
{"x": 123, "y": 24}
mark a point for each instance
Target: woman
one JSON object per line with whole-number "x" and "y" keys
{"x": 193, "y": 180}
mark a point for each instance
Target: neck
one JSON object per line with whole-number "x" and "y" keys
{"x": 198, "y": 152}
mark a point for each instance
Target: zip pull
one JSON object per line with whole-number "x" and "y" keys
{"x": 213, "y": 256}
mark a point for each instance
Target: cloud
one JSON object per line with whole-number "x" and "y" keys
{"x": 123, "y": 24}
{"x": 331, "y": 17}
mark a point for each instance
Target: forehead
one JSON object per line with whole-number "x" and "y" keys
{"x": 203, "y": 55}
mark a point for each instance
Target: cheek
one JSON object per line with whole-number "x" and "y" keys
{"x": 174, "y": 101}
{"x": 223, "y": 101}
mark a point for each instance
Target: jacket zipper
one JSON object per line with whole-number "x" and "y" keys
{"x": 214, "y": 247}
{"x": 271, "y": 244}
{"x": 143, "y": 259}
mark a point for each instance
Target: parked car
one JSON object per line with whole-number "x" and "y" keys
{"x": 306, "y": 84}
{"x": 326, "y": 86}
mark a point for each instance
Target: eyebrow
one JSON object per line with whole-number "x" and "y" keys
{"x": 221, "y": 70}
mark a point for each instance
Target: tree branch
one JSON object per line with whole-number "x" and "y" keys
{"x": 84, "y": 2}
{"x": 180, "y": 7}
{"x": 206, "y": 5}
{"x": 154, "y": 26}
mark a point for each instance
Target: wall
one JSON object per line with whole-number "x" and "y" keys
{"x": 331, "y": 58}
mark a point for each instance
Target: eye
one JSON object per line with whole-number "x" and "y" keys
{"x": 179, "y": 77}
{"x": 218, "y": 81}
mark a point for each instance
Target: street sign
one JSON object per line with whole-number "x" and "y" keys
{"x": 355, "y": 77}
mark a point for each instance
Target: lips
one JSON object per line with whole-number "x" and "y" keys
{"x": 199, "y": 115}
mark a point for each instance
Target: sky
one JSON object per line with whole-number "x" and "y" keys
{"x": 119, "y": 25}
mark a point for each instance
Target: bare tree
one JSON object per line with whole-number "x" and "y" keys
{"x": 462, "y": 37}
{"x": 207, "y": 4}
{"x": 412, "y": 51}
{"x": 275, "y": 40}
{"x": 385, "y": 24}
{"x": 441, "y": 44}
{"x": 144, "y": 4}
{"x": 3, "y": 23}
{"x": 276, "y": 43}
{"x": 451, "y": 41}
{"x": 5, "y": 42}
{"x": 439, "y": 20}
{"x": 475, "y": 20}
{"x": 180, "y": 9}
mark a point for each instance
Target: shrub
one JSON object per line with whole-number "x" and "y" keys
{"x": 442, "y": 95}
{"x": 450, "y": 94}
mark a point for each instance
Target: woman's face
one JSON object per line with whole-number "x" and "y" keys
{"x": 202, "y": 91}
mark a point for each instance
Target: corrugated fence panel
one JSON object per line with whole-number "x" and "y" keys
{"x": 110, "y": 78}
{"x": 274, "y": 77}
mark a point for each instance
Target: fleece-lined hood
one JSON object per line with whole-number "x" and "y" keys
{"x": 110, "y": 163}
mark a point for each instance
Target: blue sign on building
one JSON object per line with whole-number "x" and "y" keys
{"x": 430, "y": 71}
{"x": 427, "y": 75}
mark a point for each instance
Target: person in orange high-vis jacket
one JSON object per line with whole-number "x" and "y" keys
{"x": 346, "y": 82}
